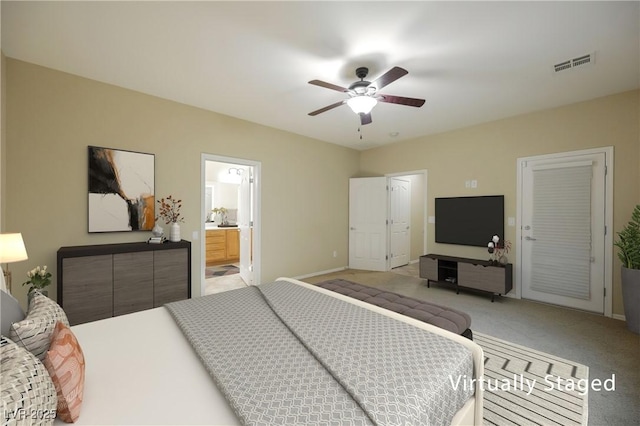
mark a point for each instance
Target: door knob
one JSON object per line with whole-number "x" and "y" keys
{"x": 529, "y": 238}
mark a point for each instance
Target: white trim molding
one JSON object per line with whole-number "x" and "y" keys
{"x": 257, "y": 205}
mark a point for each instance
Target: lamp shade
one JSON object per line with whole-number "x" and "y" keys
{"x": 362, "y": 104}
{"x": 12, "y": 248}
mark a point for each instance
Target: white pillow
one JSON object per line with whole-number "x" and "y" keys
{"x": 10, "y": 312}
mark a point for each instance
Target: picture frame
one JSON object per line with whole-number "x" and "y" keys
{"x": 121, "y": 195}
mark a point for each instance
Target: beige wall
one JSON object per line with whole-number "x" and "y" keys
{"x": 53, "y": 116}
{"x": 488, "y": 153}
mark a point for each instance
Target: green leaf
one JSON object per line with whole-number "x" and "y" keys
{"x": 629, "y": 241}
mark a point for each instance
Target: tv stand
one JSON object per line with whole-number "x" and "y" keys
{"x": 467, "y": 273}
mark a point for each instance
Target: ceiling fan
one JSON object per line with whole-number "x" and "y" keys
{"x": 364, "y": 95}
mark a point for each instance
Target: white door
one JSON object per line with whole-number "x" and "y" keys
{"x": 245, "y": 226}
{"x": 399, "y": 221}
{"x": 563, "y": 231}
{"x": 368, "y": 223}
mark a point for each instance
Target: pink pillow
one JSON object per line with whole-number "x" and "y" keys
{"x": 65, "y": 363}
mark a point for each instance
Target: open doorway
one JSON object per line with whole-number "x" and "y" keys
{"x": 387, "y": 220}
{"x": 230, "y": 223}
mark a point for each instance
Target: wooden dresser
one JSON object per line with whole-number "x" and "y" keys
{"x": 102, "y": 281}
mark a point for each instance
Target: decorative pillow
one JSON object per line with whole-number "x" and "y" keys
{"x": 34, "y": 332}
{"x": 27, "y": 392}
{"x": 10, "y": 312}
{"x": 65, "y": 363}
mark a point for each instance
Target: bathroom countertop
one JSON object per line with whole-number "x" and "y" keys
{"x": 212, "y": 225}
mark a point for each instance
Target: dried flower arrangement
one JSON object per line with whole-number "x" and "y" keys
{"x": 170, "y": 210}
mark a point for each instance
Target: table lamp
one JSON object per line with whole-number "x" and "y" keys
{"x": 11, "y": 250}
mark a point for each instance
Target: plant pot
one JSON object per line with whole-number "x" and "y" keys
{"x": 174, "y": 234}
{"x": 631, "y": 298}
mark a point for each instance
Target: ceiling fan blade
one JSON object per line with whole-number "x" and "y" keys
{"x": 327, "y": 108}
{"x": 365, "y": 118}
{"x": 328, "y": 85}
{"x": 414, "y": 102}
{"x": 389, "y": 77}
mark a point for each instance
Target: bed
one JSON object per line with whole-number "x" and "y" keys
{"x": 141, "y": 368}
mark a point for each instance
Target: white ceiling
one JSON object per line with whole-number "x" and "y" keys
{"x": 473, "y": 62}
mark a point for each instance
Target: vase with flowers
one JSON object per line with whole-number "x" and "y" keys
{"x": 220, "y": 215}
{"x": 498, "y": 251}
{"x": 170, "y": 213}
{"x": 39, "y": 279}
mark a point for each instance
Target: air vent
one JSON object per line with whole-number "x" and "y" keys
{"x": 580, "y": 61}
{"x": 562, "y": 66}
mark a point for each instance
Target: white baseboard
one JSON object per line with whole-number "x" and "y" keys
{"x": 619, "y": 317}
{"x": 314, "y": 274}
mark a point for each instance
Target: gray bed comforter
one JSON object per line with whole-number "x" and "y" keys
{"x": 285, "y": 354}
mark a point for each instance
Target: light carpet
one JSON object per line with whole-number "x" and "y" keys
{"x": 527, "y": 387}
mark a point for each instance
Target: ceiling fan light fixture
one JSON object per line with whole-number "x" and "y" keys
{"x": 362, "y": 104}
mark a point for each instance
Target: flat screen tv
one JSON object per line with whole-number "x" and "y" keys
{"x": 469, "y": 221}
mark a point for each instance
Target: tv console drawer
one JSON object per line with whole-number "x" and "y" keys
{"x": 480, "y": 277}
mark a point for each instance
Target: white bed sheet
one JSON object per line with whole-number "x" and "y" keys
{"x": 140, "y": 370}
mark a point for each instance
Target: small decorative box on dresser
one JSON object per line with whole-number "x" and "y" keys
{"x": 102, "y": 281}
{"x": 467, "y": 273}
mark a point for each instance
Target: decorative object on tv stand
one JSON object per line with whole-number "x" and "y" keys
{"x": 39, "y": 278}
{"x": 11, "y": 250}
{"x": 170, "y": 213}
{"x": 498, "y": 250}
{"x": 629, "y": 244}
{"x": 121, "y": 190}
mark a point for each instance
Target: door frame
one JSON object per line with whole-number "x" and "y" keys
{"x": 256, "y": 237}
{"x": 608, "y": 219}
{"x": 425, "y": 206}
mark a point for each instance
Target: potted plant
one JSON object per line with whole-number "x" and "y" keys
{"x": 221, "y": 215}
{"x": 39, "y": 278}
{"x": 498, "y": 251}
{"x": 629, "y": 254}
{"x": 170, "y": 213}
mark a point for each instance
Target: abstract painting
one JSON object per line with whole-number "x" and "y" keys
{"x": 121, "y": 190}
